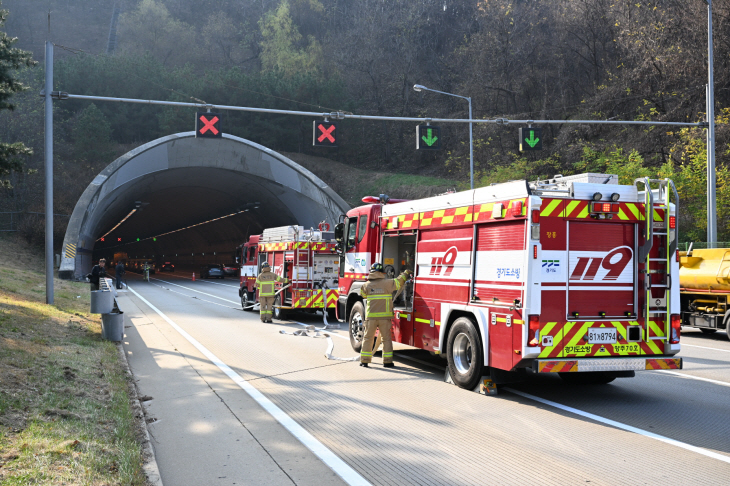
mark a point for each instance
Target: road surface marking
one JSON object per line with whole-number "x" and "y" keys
{"x": 705, "y": 347}
{"x": 619, "y": 425}
{"x": 200, "y": 279}
{"x": 340, "y": 467}
{"x": 200, "y": 292}
{"x": 195, "y": 297}
{"x": 691, "y": 377}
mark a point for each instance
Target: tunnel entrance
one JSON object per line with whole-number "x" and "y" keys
{"x": 193, "y": 200}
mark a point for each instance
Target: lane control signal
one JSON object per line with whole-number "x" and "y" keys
{"x": 325, "y": 134}
{"x": 208, "y": 125}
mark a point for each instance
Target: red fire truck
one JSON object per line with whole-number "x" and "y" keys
{"x": 306, "y": 257}
{"x": 562, "y": 275}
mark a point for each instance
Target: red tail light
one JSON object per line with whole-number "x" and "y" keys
{"x": 676, "y": 325}
{"x": 535, "y": 216}
{"x": 676, "y": 256}
{"x": 517, "y": 208}
{"x": 534, "y": 251}
{"x": 534, "y": 323}
{"x": 672, "y": 222}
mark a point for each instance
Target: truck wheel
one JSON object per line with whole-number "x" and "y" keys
{"x": 246, "y": 301}
{"x": 465, "y": 354}
{"x": 357, "y": 326}
{"x": 279, "y": 313}
{"x": 588, "y": 378}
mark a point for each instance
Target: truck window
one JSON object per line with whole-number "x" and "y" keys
{"x": 363, "y": 226}
{"x": 351, "y": 232}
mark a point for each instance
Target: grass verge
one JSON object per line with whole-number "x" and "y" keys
{"x": 65, "y": 415}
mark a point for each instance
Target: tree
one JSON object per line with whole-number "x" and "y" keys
{"x": 11, "y": 59}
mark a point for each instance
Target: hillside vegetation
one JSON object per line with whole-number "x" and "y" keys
{"x": 520, "y": 59}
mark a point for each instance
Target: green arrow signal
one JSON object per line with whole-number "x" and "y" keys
{"x": 431, "y": 139}
{"x": 532, "y": 141}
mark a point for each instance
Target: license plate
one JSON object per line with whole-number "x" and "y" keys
{"x": 601, "y": 335}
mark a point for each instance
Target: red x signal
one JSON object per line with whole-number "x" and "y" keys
{"x": 102, "y": 239}
{"x": 325, "y": 134}
{"x": 207, "y": 125}
{"x": 119, "y": 239}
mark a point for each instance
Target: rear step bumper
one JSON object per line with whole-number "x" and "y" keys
{"x": 605, "y": 364}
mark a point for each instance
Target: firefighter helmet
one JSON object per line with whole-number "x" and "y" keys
{"x": 265, "y": 265}
{"x": 376, "y": 267}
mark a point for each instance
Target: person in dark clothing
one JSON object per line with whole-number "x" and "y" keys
{"x": 119, "y": 270}
{"x": 98, "y": 272}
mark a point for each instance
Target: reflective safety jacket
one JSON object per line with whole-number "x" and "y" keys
{"x": 266, "y": 281}
{"x": 378, "y": 292}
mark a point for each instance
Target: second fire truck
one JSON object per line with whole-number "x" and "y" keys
{"x": 572, "y": 275}
{"x": 306, "y": 257}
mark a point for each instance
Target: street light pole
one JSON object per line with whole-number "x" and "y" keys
{"x": 711, "y": 199}
{"x": 49, "y": 171}
{"x": 419, "y": 87}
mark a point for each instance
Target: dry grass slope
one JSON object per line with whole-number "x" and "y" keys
{"x": 65, "y": 416}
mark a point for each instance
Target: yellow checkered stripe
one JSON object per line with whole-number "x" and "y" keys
{"x": 298, "y": 245}
{"x": 70, "y": 250}
{"x": 441, "y": 217}
{"x": 312, "y": 299}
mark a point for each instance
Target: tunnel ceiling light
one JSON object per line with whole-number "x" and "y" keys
{"x": 117, "y": 225}
{"x": 154, "y": 238}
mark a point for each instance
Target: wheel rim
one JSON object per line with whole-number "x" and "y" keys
{"x": 244, "y": 300}
{"x": 462, "y": 352}
{"x": 356, "y": 327}
{"x": 277, "y": 310}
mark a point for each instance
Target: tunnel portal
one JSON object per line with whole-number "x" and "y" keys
{"x": 168, "y": 187}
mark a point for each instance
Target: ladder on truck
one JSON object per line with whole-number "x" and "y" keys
{"x": 666, "y": 233}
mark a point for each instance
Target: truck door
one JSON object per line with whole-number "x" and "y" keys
{"x": 601, "y": 270}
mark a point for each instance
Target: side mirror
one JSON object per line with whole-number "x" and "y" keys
{"x": 339, "y": 231}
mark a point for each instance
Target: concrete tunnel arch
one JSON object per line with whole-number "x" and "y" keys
{"x": 183, "y": 180}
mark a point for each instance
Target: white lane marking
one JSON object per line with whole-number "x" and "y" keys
{"x": 692, "y": 377}
{"x": 204, "y": 280}
{"x": 196, "y": 298}
{"x": 619, "y": 425}
{"x": 705, "y": 347}
{"x": 198, "y": 291}
{"x": 340, "y": 467}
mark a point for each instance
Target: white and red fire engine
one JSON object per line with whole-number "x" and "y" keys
{"x": 306, "y": 257}
{"x": 563, "y": 275}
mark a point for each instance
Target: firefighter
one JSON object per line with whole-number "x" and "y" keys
{"x": 378, "y": 293}
{"x": 265, "y": 283}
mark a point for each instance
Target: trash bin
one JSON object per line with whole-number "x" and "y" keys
{"x": 112, "y": 326}
{"x": 102, "y": 302}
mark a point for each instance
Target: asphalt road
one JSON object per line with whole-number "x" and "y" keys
{"x": 406, "y": 425}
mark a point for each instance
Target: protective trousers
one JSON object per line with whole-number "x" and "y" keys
{"x": 267, "y": 307}
{"x": 366, "y": 353}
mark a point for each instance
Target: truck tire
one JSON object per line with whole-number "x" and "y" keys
{"x": 588, "y": 378}
{"x": 726, "y": 321}
{"x": 279, "y": 313}
{"x": 357, "y": 326}
{"x": 246, "y": 301}
{"x": 465, "y": 354}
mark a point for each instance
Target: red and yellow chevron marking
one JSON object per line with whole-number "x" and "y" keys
{"x": 298, "y": 245}
{"x": 312, "y": 299}
{"x": 664, "y": 364}
{"x": 557, "y": 366}
{"x": 575, "y": 209}
{"x": 569, "y": 340}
